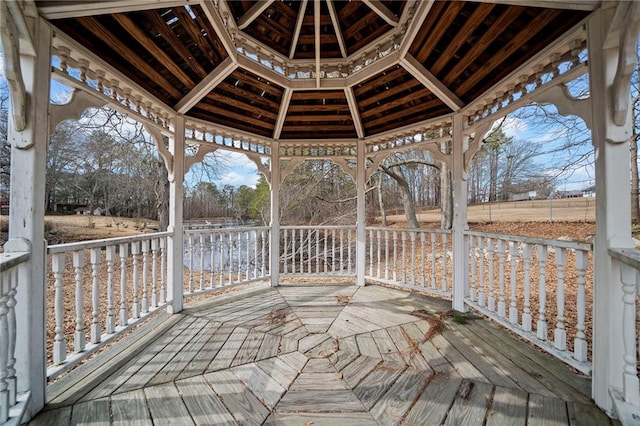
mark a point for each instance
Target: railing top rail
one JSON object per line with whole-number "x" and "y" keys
{"x": 226, "y": 229}
{"x": 63, "y": 248}
{"x": 387, "y": 228}
{"x": 311, "y": 227}
{"x": 12, "y": 259}
{"x": 628, "y": 256}
{"x": 534, "y": 240}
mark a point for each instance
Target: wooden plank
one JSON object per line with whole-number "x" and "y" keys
{"x": 311, "y": 341}
{"x": 321, "y": 419}
{"x": 287, "y": 345}
{"x": 586, "y": 415}
{"x": 367, "y": 346}
{"x": 267, "y": 389}
{"x": 548, "y": 370}
{"x": 203, "y": 404}
{"x": 318, "y": 381}
{"x": 388, "y": 349}
{"x": 241, "y": 403}
{"x": 269, "y": 347}
{"x": 173, "y": 369}
{"x": 130, "y": 408}
{"x": 203, "y": 358}
{"x": 375, "y": 384}
{"x": 249, "y": 349}
{"x": 546, "y": 411}
{"x": 358, "y": 369}
{"x": 471, "y": 404}
{"x": 488, "y": 371}
{"x": 94, "y": 412}
{"x": 228, "y": 352}
{"x": 324, "y": 349}
{"x": 435, "y": 401}
{"x": 336, "y": 401}
{"x": 394, "y": 405}
{"x": 166, "y": 406}
{"x": 57, "y": 417}
{"x": 295, "y": 360}
{"x": 279, "y": 371}
{"x": 502, "y": 364}
{"x": 348, "y": 351}
{"x": 319, "y": 365}
{"x": 509, "y": 407}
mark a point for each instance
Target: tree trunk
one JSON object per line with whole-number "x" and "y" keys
{"x": 383, "y": 213}
{"x": 446, "y": 197}
{"x": 162, "y": 197}
{"x": 407, "y": 198}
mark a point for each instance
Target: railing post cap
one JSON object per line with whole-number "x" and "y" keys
{"x": 17, "y": 245}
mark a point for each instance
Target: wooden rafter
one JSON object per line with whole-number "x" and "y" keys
{"x": 63, "y": 10}
{"x": 296, "y": 31}
{"x": 336, "y": 27}
{"x": 355, "y": 111}
{"x": 430, "y": 81}
{"x": 421, "y": 14}
{"x": 253, "y": 13}
{"x": 282, "y": 114}
{"x": 214, "y": 78}
{"x": 318, "y": 45}
{"x": 382, "y": 11}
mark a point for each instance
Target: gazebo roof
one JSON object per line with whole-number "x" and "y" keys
{"x": 323, "y": 69}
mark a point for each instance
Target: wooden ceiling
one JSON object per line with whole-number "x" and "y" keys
{"x": 467, "y": 47}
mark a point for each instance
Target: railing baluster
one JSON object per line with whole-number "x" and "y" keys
{"x": 302, "y": 251}
{"x": 124, "y": 316}
{"x": 286, "y": 248}
{"x": 541, "y": 326}
{"x": 560, "y": 334}
{"x": 423, "y": 258}
{"x": 326, "y": 265}
{"x": 190, "y": 279}
{"x": 145, "y": 275}
{"x": 580, "y": 343}
{"x": 154, "y": 272}
{"x": 481, "y": 293}
{"x": 386, "y": 254}
{"x": 255, "y": 254}
{"x": 12, "y": 380}
{"x": 110, "y": 322}
{"x": 59, "y": 342}
{"x": 370, "y": 243}
{"x": 135, "y": 253}
{"x": 212, "y": 260}
{"x": 95, "y": 296}
{"x": 341, "y": 250}
{"x": 333, "y": 250}
{"x": 293, "y": 251}
{"x": 163, "y": 269}
{"x": 501, "y": 303}
{"x": 222, "y": 237}
{"x": 445, "y": 285}
{"x": 513, "y": 307}
{"x": 491, "y": 301}
{"x": 630, "y": 382}
{"x": 239, "y": 240}
{"x": 473, "y": 295}
{"x": 79, "y": 337}
{"x": 412, "y": 235}
{"x": 433, "y": 262}
{"x": 526, "y": 314}
{"x": 403, "y": 266}
{"x": 379, "y": 250}
{"x": 263, "y": 254}
{"x": 201, "y": 240}
{"x": 4, "y": 350}
{"x": 395, "y": 256}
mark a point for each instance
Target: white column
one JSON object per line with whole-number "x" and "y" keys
{"x": 175, "y": 244}
{"x": 361, "y": 246}
{"x": 274, "y": 238}
{"x": 26, "y": 218}
{"x": 613, "y": 215}
{"x": 460, "y": 278}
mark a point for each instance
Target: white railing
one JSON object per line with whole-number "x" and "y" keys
{"x": 628, "y": 403}
{"x": 538, "y": 288}
{"x": 12, "y": 268}
{"x": 222, "y": 257}
{"x": 106, "y": 286}
{"x": 318, "y": 250}
{"x": 415, "y": 258}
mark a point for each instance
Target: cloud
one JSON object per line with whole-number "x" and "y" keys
{"x": 240, "y": 176}
{"x": 514, "y": 127}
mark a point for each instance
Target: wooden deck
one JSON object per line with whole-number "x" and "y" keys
{"x": 316, "y": 355}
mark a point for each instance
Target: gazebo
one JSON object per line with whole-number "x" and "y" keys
{"x": 288, "y": 81}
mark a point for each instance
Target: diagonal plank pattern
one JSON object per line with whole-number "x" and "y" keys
{"x": 321, "y": 354}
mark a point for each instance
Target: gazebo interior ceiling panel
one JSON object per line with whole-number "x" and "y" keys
{"x": 466, "y": 47}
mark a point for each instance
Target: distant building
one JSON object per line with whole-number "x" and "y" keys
{"x": 569, "y": 194}
{"x": 529, "y": 195}
{"x": 589, "y": 192}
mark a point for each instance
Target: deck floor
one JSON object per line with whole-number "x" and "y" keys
{"x": 316, "y": 355}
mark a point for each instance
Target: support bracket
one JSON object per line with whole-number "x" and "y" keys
{"x": 10, "y": 40}
{"x": 290, "y": 165}
{"x": 255, "y": 158}
{"x": 566, "y": 103}
{"x": 72, "y": 110}
{"x": 163, "y": 151}
{"x": 203, "y": 149}
{"x": 475, "y": 146}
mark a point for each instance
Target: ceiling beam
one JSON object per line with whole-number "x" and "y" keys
{"x": 282, "y": 114}
{"x": 253, "y": 13}
{"x": 220, "y": 28}
{"x": 207, "y": 84}
{"x": 296, "y": 31}
{"x": 430, "y": 81}
{"x": 264, "y": 72}
{"x": 316, "y": 31}
{"x": 414, "y": 27}
{"x": 550, "y": 4}
{"x": 336, "y": 27}
{"x": 382, "y": 11}
{"x": 60, "y": 10}
{"x": 355, "y": 112}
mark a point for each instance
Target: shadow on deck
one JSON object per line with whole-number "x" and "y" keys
{"x": 321, "y": 354}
